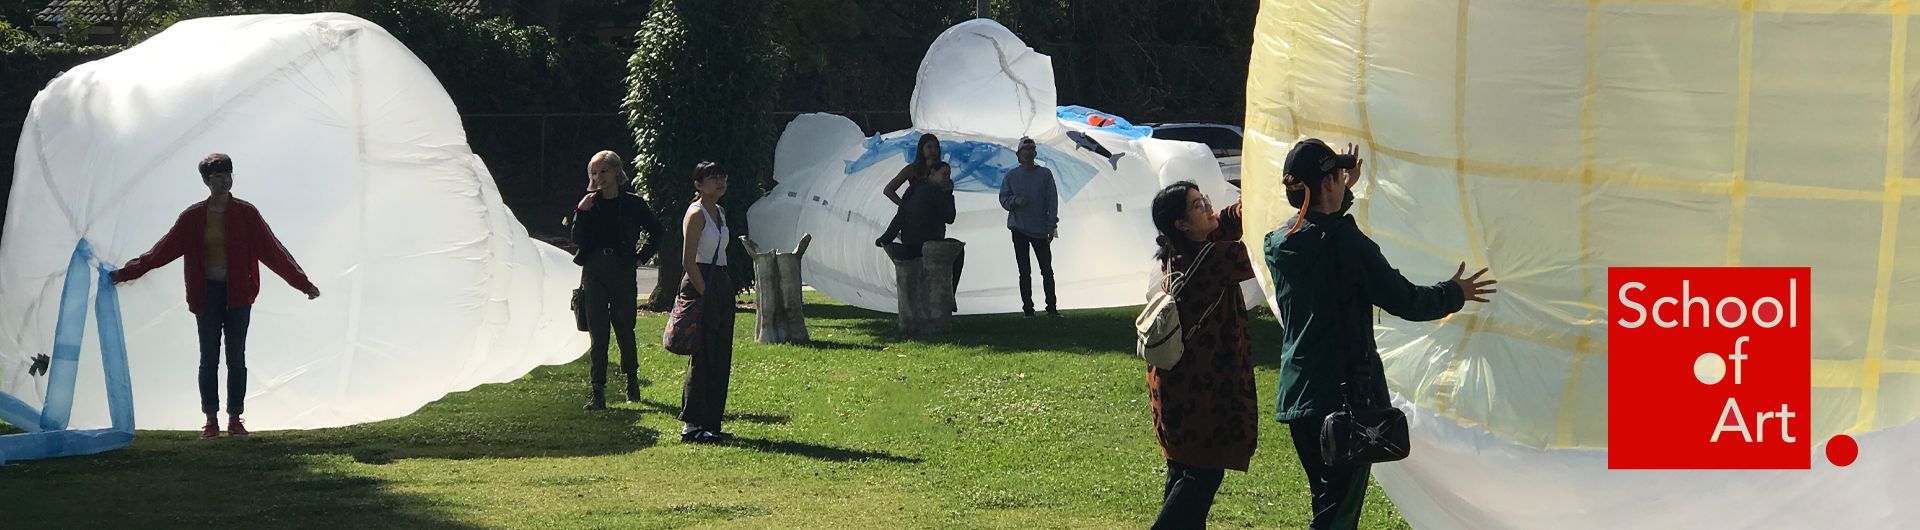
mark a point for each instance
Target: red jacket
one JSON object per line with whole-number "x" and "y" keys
{"x": 249, "y": 243}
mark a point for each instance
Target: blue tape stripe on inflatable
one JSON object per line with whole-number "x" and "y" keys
{"x": 47, "y": 437}
{"x": 19, "y": 413}
{"x": 978, "y": 167}
{"x": 113, "y": 353}
{"x": 67, "y": 333}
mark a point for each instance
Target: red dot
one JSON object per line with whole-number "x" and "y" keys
{"x": 1841, "y": 450}
{"x": 1766, "y": 312}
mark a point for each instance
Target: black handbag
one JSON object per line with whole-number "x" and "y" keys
{"x": 580, "y": 303}
{"x": 1367, "y": 432}
{"x": 1367, "y": 429}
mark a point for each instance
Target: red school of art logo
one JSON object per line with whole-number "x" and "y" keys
{"x": 1709, "y": 368}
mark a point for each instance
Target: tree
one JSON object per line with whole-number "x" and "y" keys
{"x": 702, "y": 86}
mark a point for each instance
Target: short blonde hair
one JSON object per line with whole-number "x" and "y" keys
{"x": 608, "y": 157}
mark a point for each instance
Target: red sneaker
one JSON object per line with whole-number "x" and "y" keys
{"x": 210, "y": 431}
{"x": 236, "y": 428}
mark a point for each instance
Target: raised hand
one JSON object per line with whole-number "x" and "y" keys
{"x": 1472, "y": 287}
{"x": 1353, "y": 175}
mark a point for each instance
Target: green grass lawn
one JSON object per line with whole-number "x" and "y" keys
{"x": 1003, "y": 423}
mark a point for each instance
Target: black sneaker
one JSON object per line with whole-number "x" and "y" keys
{"x": 702, "y": 436}
{"x": 1053, "y": 314}
{"x": 1029, "y": 314}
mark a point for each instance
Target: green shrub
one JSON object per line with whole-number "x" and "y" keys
{"x": 702, "y": 85}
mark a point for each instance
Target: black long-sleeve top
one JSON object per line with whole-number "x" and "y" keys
{"x": 924, "y": 214}
{"x": 616, "y": 224}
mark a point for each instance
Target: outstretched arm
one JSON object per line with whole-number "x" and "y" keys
{"x": 1386, "y": 288}
{"x": 276, "y": 257}
{"x": 171, "y": 247}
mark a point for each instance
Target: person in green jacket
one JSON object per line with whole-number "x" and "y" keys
{"x": 1328, "y": 276}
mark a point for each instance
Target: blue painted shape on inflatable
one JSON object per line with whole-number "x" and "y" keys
{"x": 1121, "y": 126}
{"x": 47, "y": 436}
{"x": 978, "y": 167}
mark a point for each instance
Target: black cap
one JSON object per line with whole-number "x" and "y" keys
{"x": 1312, "y": 159}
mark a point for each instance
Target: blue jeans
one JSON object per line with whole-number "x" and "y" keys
{"x": 215, "y": 319}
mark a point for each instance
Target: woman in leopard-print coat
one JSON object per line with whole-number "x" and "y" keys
{"x": 1205, "y": 410}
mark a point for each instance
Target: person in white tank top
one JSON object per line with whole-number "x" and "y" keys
{"x": 712, "y": 234}
{"x": 703, "y": 397}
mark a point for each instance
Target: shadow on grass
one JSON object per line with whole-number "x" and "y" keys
{"x": 304, "y": 479}
{"x": 1086, "y": 332}
{"x": 669, "y": 409}
{"x": 825, "y": 311}
{"x": 818, "y": 452}
{"x": 175, "y": 480}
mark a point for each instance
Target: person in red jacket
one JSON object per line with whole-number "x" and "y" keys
{"x": 224, "y": 240}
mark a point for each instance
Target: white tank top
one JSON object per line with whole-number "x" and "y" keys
{"x": 712, "y": 237}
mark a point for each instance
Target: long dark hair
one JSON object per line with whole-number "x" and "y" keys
{"x": 924, "y": 165}
{"x": 1169, "y": 206}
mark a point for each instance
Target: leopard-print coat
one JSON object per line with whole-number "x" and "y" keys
{"x": 1205, "y": 409}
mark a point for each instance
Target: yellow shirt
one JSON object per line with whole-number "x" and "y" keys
{"x": 216, "y": 238}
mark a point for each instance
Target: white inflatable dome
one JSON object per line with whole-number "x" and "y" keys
{"x": 979, "y": 90}
{"x": 1550, "y": 140}
{"x": 354, "y": 155}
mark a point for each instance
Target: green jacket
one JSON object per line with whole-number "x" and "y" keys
{"x": 1328, "y": 277}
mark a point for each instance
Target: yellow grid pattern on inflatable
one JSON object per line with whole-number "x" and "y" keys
{"x": 1276, "y": 117}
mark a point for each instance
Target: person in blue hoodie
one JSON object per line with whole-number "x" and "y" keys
{"x": 1328, "y": 277}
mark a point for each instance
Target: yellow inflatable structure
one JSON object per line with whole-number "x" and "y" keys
{"x": 1551, "y": 139}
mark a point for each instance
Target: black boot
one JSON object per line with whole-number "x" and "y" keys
{"x": 633, "y": 388}
{"x": 599, "y": 399}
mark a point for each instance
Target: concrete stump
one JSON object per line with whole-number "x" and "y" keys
{"x": 778, "y": 316}
{"x": 924, "y": 288}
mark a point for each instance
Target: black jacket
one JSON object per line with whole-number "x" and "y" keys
{"x": 924, "y": 215}
{"x": 630, "y": 217}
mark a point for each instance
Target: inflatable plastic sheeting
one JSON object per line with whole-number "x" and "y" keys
{"x": 1550, "y": 140}
{"x": 46, "y": 435}
{"x": 980, "y": 89}
{"x": 355, "y": 156}
{"x": 1103, "y": 121}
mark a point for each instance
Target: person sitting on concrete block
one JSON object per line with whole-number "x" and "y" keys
{"x": 924, "y": 214}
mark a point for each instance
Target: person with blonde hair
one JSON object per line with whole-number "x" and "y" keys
{"x": 607, "y": 228}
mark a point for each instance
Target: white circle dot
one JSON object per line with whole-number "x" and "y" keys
{"x": 1709, "y": 368}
